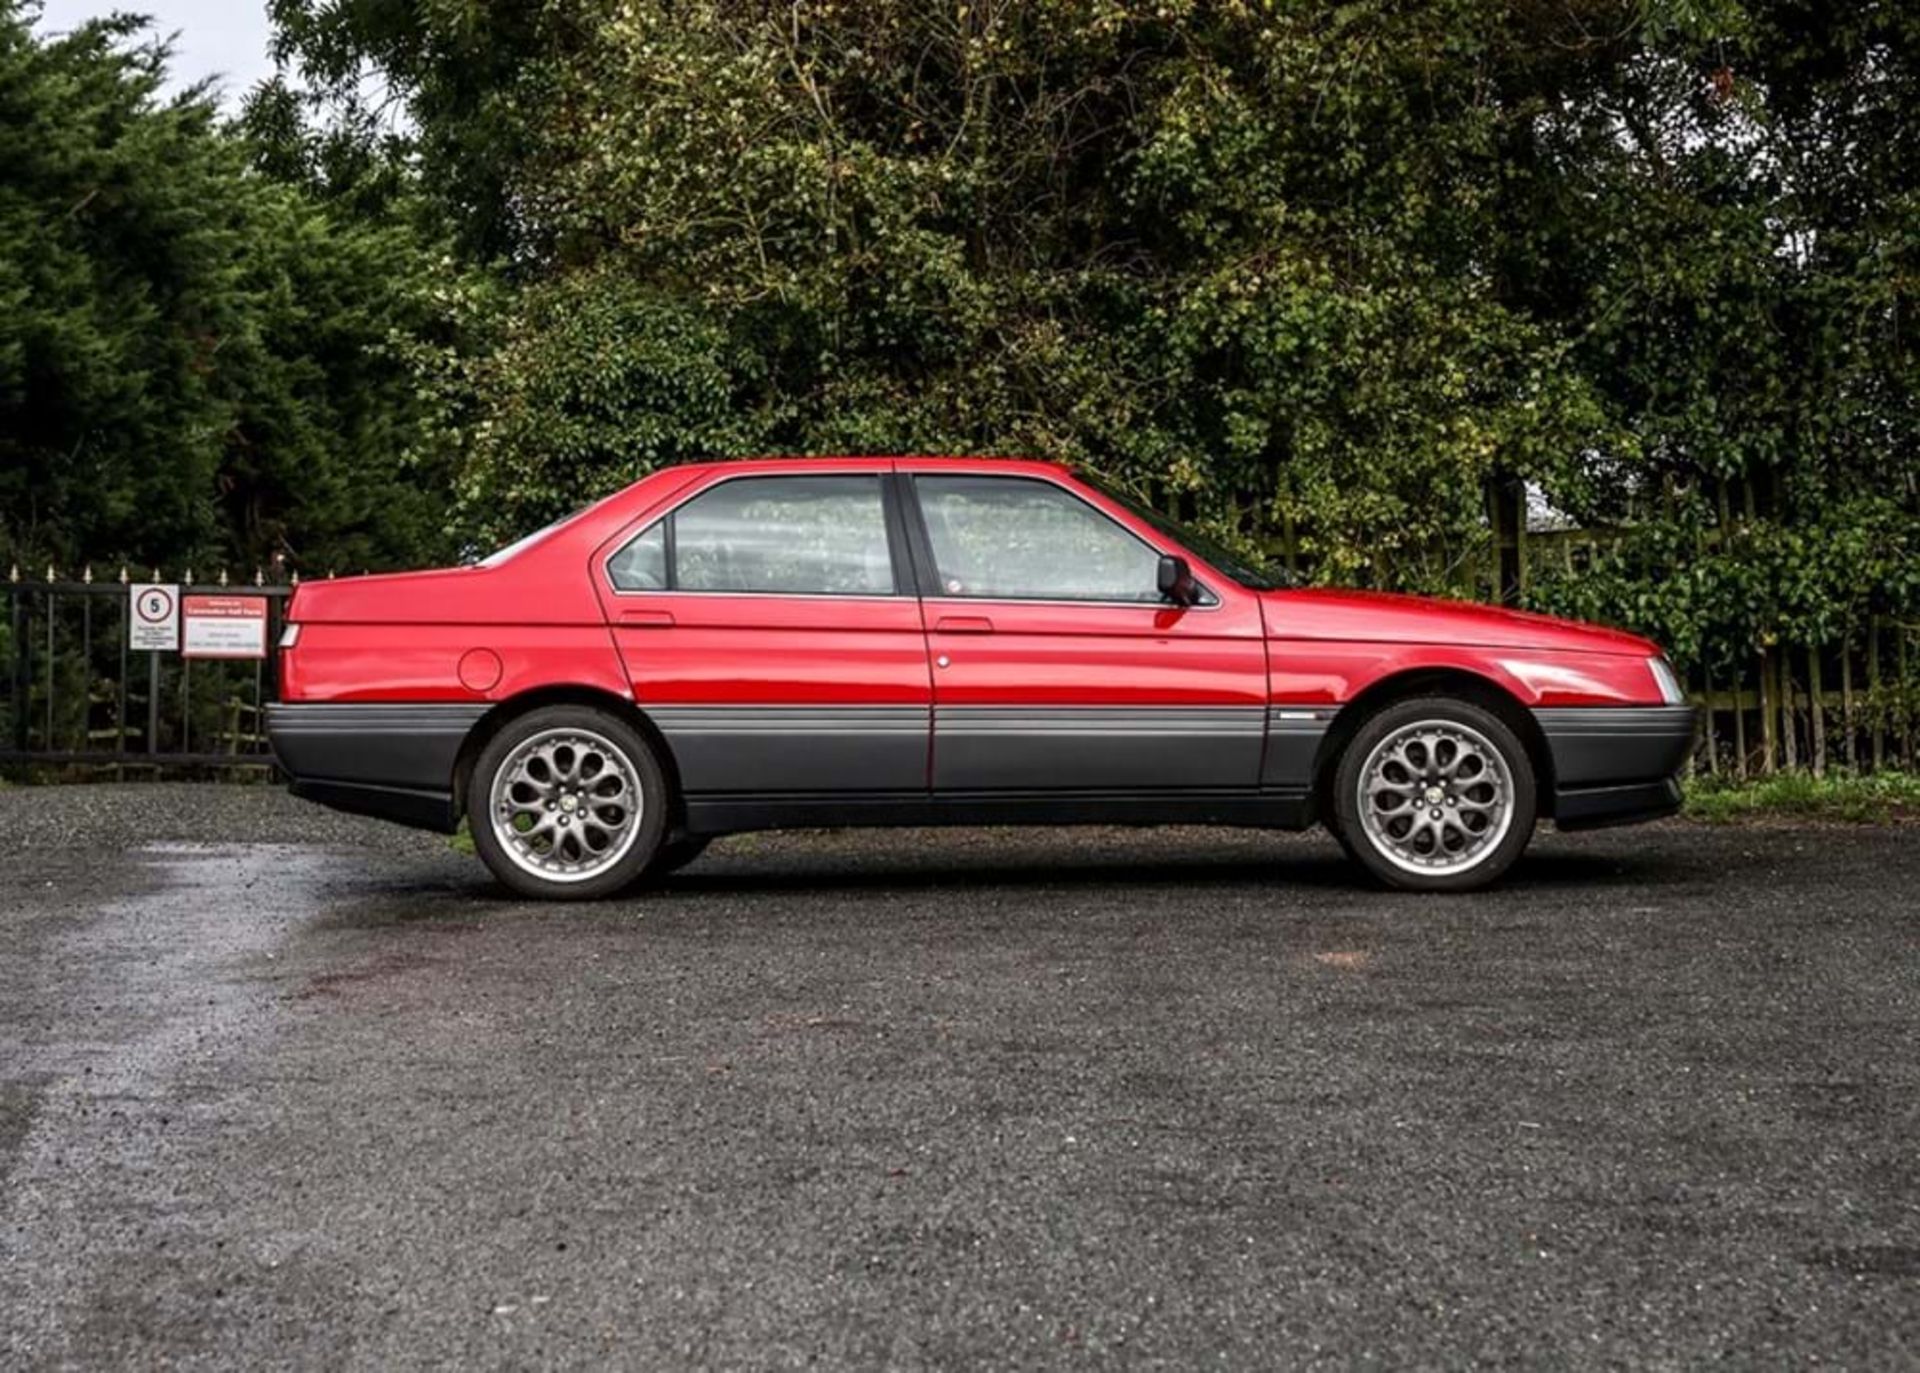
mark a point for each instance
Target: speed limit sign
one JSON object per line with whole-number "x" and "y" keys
{"x": 154, "y": 623}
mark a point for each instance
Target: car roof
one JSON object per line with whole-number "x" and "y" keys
{"x": 871, "y": 462}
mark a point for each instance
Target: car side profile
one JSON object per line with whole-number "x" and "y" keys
{"x": 904, "y": 641}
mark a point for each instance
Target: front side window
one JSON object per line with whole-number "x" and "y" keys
{"x": 818, "y": 536}
{"x": 1011, "y": 538}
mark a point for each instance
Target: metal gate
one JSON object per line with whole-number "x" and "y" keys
{"x": 79, "y": 695}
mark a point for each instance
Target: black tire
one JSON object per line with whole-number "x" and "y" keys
{"x": 641, "y": 842}
{"x": 677, "y": 852}
{"x": 1396, "y": 862}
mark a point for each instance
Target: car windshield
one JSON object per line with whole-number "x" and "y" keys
{"x": 1256, "y": 574}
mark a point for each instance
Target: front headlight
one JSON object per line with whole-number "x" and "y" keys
{"x": 1670, "y": 689}
{"x": 290, "y": 635}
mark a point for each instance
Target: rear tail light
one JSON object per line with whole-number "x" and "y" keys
{"x": 1670, "y": 689}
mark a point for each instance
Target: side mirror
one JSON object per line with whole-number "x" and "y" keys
{"x": 1176, "y": 580}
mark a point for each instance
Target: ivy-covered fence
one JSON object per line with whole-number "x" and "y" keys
{"x": 1796, "y": 638}
{"x": 1851, "y": 701}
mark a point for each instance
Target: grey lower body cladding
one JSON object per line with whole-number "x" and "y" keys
{"x": 755, "y": 766}
{"x": 973, "y": 748}
{"x": 756, "y": 748}
{"x": 392, "y": 761}
{"x": 1616, "y": 765}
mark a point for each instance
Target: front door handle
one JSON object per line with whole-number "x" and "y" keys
{"x": 963, "y": 624}
{"x": 647, "y": 619}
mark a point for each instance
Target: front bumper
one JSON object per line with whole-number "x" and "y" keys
{"x": 1616, "y": 765}
{"x": 391, "y": 761}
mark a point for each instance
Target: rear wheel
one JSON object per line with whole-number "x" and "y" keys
{"x": 1434, "y": 794}
{"x": 567, "y": 803}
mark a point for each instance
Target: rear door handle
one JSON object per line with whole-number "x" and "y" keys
{"x": 963, "y": 624}
{"x": 647, "y": 619}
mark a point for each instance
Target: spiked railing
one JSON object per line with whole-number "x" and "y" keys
{"x": 78, "y": 696}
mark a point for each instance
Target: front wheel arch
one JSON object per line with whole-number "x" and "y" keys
{"x": 1467, "y": 686}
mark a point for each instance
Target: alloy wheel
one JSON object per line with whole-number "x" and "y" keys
{"x": 1435, "y": 797}
{"x": 566, "y": 804}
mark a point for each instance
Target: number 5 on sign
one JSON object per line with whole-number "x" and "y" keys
{"x": 154, "y": 624}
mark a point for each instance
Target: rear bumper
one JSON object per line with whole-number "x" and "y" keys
{"x": 1616, "y": 765}
{"x": 391, "y": 761}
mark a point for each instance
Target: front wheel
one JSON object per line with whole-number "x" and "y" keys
{"x": 567, "y": 803}
{"x": 1434, "y": 794}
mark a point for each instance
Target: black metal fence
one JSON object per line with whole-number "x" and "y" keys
{"x": 81, "y": 695}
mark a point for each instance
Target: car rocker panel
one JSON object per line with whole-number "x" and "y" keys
{"x": 756, "y": 748}
{"x": 1161, "y": 748}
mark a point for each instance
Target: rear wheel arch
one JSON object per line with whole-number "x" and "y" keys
{"x": 1443, "y": 681}
{"x": 511, "y": 709}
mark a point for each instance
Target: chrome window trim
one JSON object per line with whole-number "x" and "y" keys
{"x": 606, "y": 563}
{"x": 1214, "y": 601}
{"x": 1156, "y": 606}
{"x": 761, "y": 595}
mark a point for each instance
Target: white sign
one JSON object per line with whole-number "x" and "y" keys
{"x": 154, "y": 624}
{"x": 225, "y": 627}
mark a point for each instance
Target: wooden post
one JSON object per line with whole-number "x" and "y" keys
{"x": 1519, "y": 513}
{"x": 1713, "y": 744}
{"x": 1507, "y": 516}
{"x": 1784, "y": 696}
{"x": 1906, "y": 705}
{"x": 1875, "y": 695}
{"x": 1846, "y": 704}
{"x": 1499, "y": 542}
{"x": 1816, "y": 714}
{"x": 1766, "y": 713}
{"x": 1740, "y": 726}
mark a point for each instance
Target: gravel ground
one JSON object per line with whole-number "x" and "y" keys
{"x": 280, "y": 1087}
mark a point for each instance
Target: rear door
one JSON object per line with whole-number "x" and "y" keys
{"x": 1057, "y": 664}
{"x": 768, "y": 626}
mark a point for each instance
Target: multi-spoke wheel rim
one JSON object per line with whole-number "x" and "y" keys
{"x": 566, "y": 804}
{"x": 1436, "y": 797}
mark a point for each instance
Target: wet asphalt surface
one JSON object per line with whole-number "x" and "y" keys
{"x": 278, "y": 1086}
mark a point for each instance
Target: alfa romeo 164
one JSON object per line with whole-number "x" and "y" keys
{"x": 815, "y": 642}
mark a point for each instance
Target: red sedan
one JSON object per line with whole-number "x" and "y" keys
{"x": 872, "y": 641}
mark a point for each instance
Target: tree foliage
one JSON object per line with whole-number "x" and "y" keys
{"x": 198, "y": 356}
{"x": 1315, "y": 274}
{"x": 1320, "y": 276}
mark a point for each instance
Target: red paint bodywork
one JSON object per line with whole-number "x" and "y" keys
{"x": 552, "y": 618}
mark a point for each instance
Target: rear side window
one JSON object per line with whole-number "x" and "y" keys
{"x": 795, "y": 536}
{"x": 1013, "y": 538}
{"x": 642, "y": 564}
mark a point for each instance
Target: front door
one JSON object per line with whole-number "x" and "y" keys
{"x": 769, "y": 629}
{"x": 1058, "y": 665}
